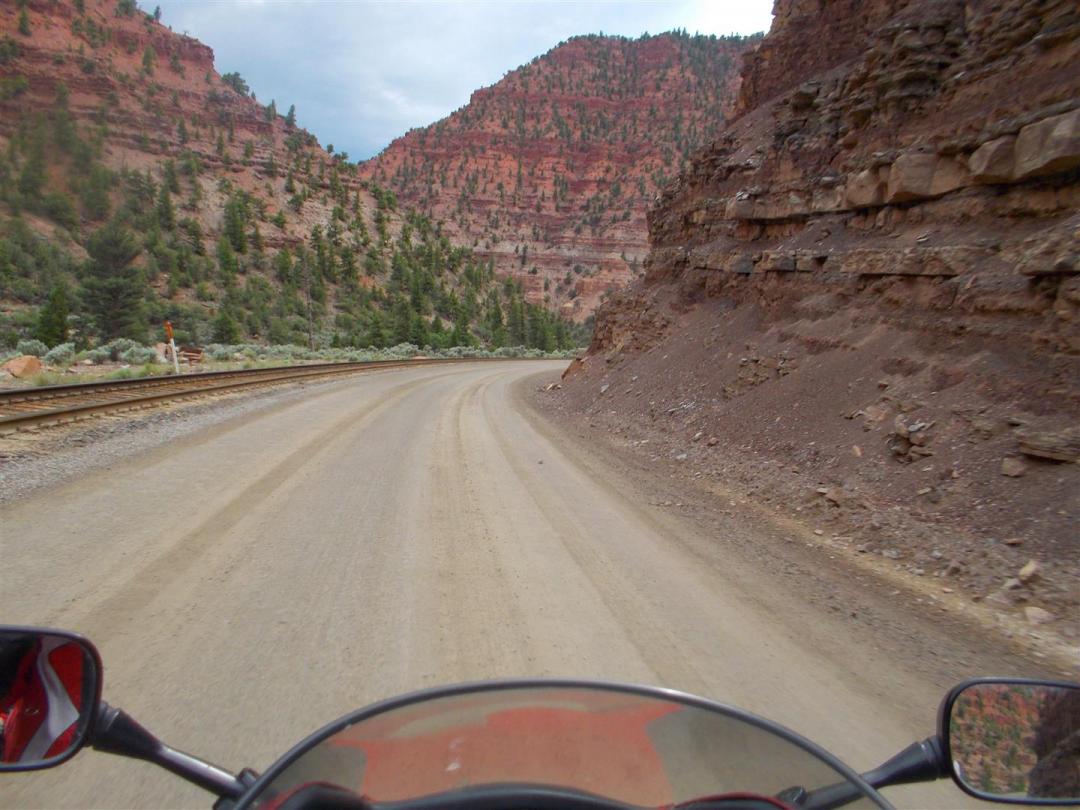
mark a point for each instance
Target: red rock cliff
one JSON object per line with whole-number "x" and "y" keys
{"x": 549, "y": 172}
{"x": 867, "y": 288}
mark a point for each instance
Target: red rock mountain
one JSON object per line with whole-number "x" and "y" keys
{"x": 549, "y": 172}
{"x": 154, "y": 95}
{"x": 862, "y": 299}
{"x": 107, "y": 114}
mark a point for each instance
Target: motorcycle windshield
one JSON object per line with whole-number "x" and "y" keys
{"x": 644, "y": 748}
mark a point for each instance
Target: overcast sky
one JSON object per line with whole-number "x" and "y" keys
{"x": 361, "y": 73}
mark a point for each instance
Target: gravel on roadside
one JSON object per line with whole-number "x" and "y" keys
{"x": 37, "y": 460}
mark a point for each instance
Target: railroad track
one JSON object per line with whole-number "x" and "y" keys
{"x": 23, "y": 408}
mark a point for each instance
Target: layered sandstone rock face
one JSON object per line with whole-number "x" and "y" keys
{"x": 865, "y": 293}
{"x": 549, "y": 172}
{"x": 927, "y": 170}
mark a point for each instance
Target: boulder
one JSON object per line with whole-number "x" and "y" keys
{"x": 1048, "y": 146}
{"x": 949, "y": 175}
{"x": 1013, "y": 467}
{"x": 993, "y": 161}
{"x": 740, "y": 263}
{"x": 25, "y": 366}
{"x": 865, "y": 189}
{"x": 911, "y": 176}
{"x": 1061, "y": 446}
{"x": 1030, "y": 572}
{"x": 918, "y": 175}
{"x": 782, "y": 261}
{"x": 1036, "y": 615}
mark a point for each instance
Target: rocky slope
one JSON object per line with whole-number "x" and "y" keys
{"x": 107, "y": 116}
{"x": 156, "y": 95}
{"x": 862, "y": 300}
{"x": 549, "y": 172}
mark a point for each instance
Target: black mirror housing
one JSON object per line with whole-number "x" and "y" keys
{"x": 1013, "y": 740}
{"x": 50, "y": 693}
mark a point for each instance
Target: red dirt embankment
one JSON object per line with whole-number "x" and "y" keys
{"x": 862, "y": 302}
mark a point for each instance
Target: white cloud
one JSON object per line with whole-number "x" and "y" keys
{"x": 362, "y": 72}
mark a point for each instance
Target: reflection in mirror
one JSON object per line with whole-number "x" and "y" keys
{"x": 1017, "y": 740}
{"x": 48, "y": 689}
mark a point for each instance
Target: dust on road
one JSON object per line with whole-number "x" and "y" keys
{"x": 405, "y": 530}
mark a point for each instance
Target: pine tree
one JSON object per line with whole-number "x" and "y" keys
{"x": 24, "y": 23}
{"x": 376, "y": 334}
{"x": 515, "y": 322}
{"x": 402, "y": 323}
{"x": 283, "y": 266}
{"x": 234, "y": 224}
{"x": 460, "y": 336}
{"x": 290, "y": 117}
{"x": 226, "y": 329}
{"x": 227, "y": 263}
{"x": 494, "y": 323}
{"x": 52, "y": 328}
{"x": 149, "y": 58}
{"x": 114, "y": 286}
{"x": 169, "y": 178}
{"x": 166, "y": 215}
{"x": 418, "y": 334}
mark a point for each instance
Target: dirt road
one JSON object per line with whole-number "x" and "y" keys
{"x": 402, "y": 530}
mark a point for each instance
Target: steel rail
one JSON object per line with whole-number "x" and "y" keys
{"x": 120, "y": 395}
{"x": 72, "y": 389}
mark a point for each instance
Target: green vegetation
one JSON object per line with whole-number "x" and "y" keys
{"x": 363, "y": 280}
{"x": 237, "y": 83}
{"x": 52, "y": 322}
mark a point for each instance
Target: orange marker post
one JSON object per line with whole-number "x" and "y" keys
{"x": 172, "y": 346}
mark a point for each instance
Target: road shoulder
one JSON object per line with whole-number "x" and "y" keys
{"x": 925, "y": 622}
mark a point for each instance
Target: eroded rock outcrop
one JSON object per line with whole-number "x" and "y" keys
{"x": 945, "y": 149}
{"x": 869, "y": 283}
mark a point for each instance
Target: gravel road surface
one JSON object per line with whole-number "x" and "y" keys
{"x": 249, "y": 582}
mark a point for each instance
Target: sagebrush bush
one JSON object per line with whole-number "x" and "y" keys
{"x": 218, "y": 351}
{"x": 61, "y": 355}
{"x": 137, "y": 355}
{"x": 34, "y": 347}
{"x": 117, "y": 346}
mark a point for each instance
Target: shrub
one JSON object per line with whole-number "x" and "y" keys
{"x": 236, "y": 82}
{"x": 219, "y": 351}
{"x": 117, "y": 346}
{"x": 61, "y": 355}
{"x": 137, "y": 355}
{"x": 34, "y": 347}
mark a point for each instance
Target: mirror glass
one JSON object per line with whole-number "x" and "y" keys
{"x": 48, "y": 694}
{"x": 1017, "y": 740}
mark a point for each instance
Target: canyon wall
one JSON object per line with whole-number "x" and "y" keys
{"x": 549, "y": 172}
{"x": 865, "y": 292}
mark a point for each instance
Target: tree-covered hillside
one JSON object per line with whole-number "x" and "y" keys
{"x": 137, "y": 186}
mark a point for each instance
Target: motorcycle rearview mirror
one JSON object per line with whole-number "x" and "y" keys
{"x": 1014, "y": 740}
{"x": 50, "y": 689}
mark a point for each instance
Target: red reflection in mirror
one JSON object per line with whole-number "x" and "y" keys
{"x": 41, "y": 683}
